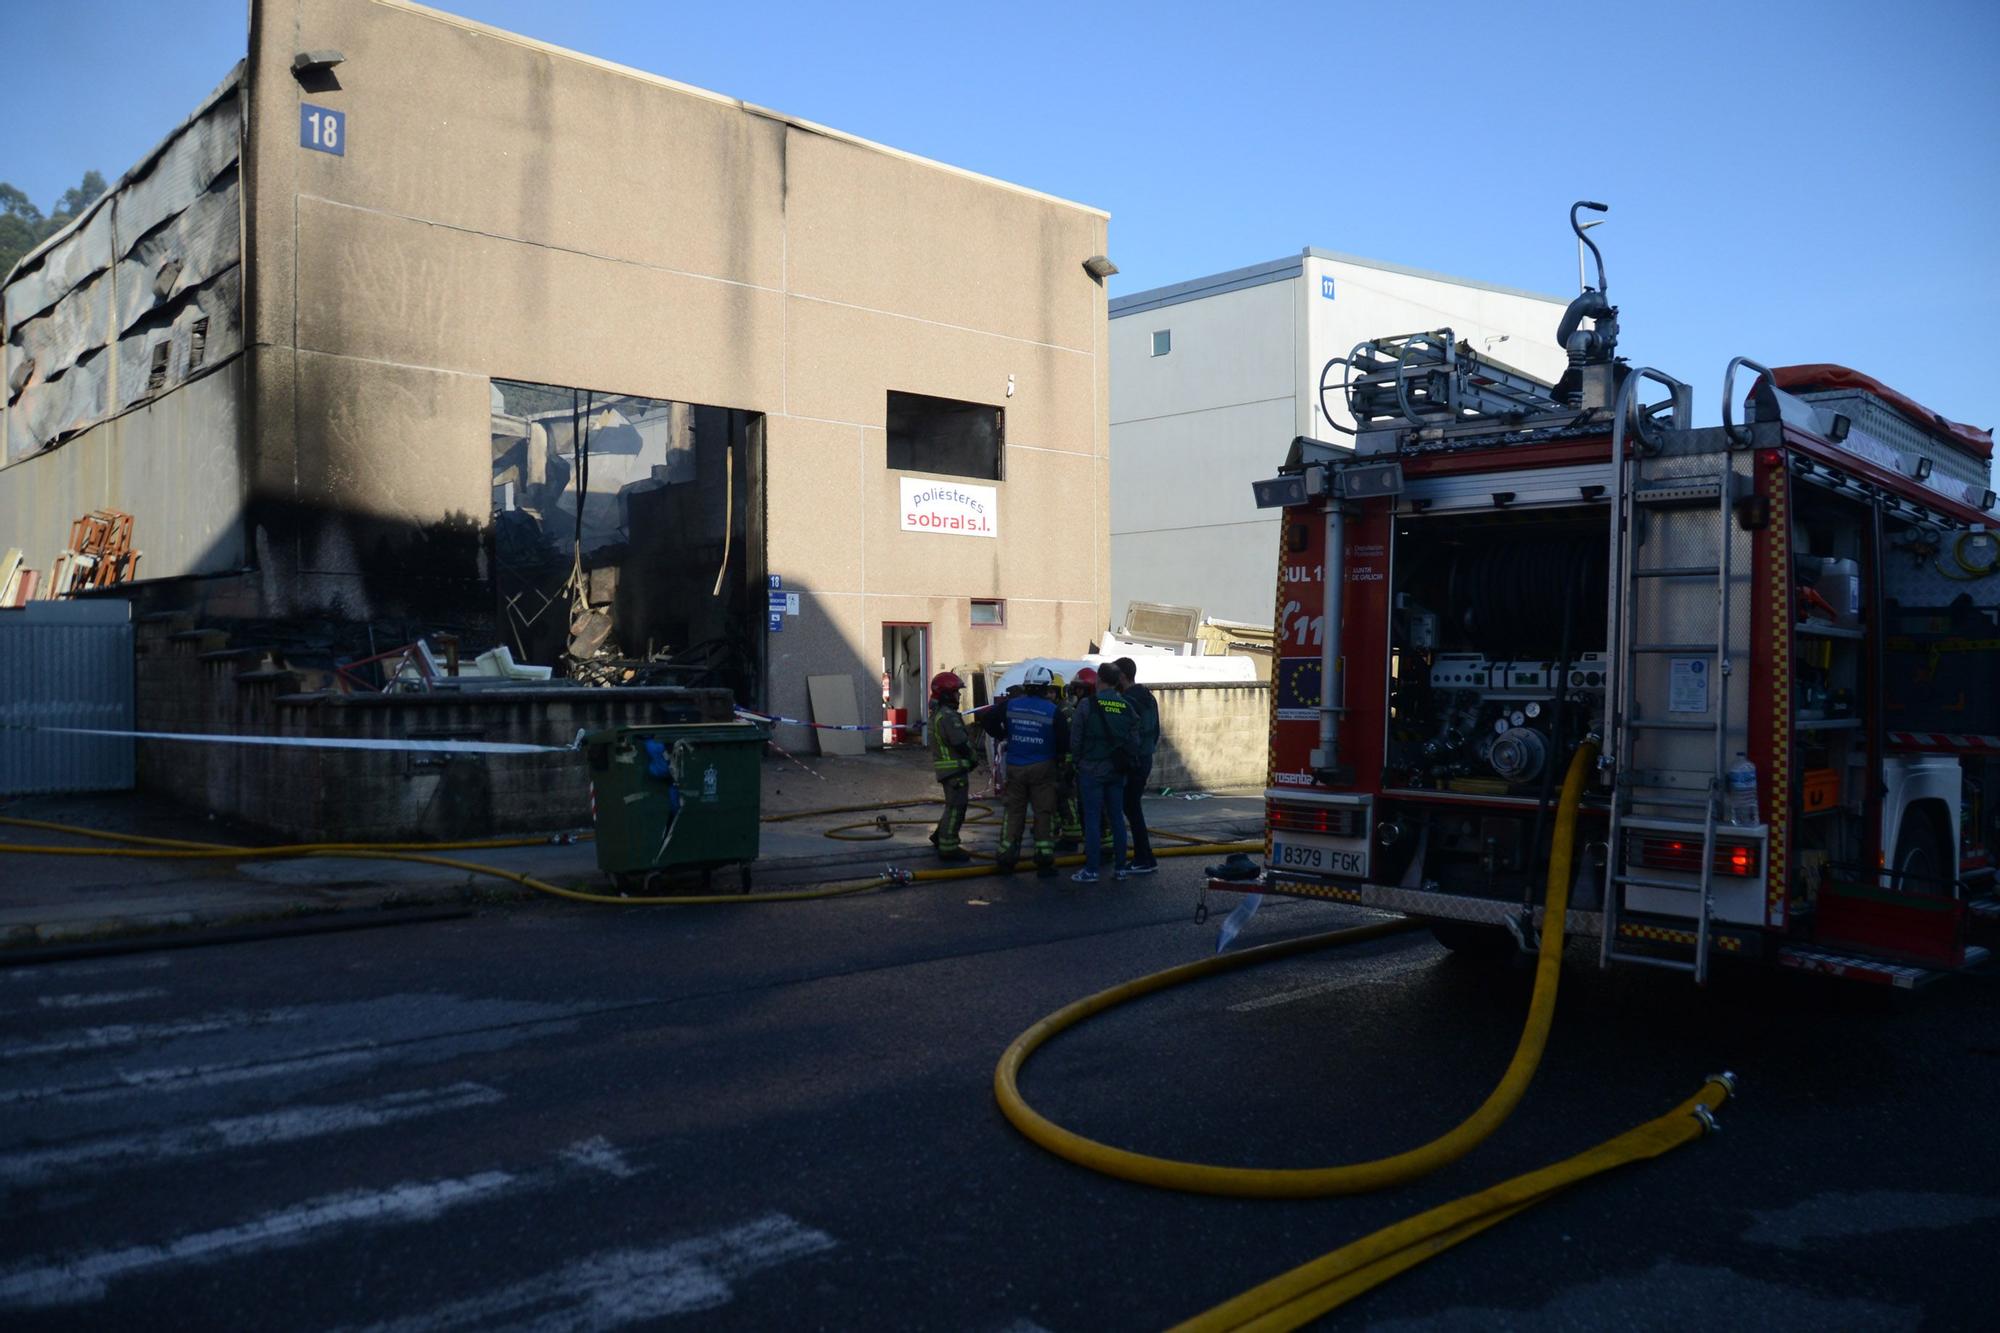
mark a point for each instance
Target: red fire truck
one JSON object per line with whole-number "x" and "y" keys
{"x": 1785, "y": 630}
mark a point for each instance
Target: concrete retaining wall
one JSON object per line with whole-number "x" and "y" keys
{"x": 1212, "y": 736}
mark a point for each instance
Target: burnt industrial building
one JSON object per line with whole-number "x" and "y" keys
{"x": 416, "y": 323}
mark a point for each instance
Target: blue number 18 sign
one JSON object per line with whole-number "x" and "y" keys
{"x": 322, "y": 130}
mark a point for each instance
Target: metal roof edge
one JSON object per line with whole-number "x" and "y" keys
{"x": 675, "y": 85}
{"x": 1235, "y": 280}
{"x": 230, "y": 82}
{"x": 1385, "y": 266}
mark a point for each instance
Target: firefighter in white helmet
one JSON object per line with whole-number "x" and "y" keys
{"x": 1032, "y": 726}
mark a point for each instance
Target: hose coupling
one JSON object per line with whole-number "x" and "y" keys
{"x": 1726, "y": 1080}
{"x": 901, "y": 878}
{"x": 1707, "y": 1119}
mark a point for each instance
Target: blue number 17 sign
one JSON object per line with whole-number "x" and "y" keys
{"x": 322, "y": 130}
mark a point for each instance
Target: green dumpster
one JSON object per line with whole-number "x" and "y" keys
{"x": 681, "y": 797}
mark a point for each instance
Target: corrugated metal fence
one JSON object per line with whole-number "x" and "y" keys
{"x": 65, "y": 664}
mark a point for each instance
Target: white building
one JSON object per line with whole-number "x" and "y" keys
{"x": 1212, "y": 379}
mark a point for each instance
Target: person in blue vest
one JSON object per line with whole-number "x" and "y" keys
{"x": 1031, "y": 725}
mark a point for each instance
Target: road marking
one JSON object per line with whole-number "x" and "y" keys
{"x": 131, "y": 1034}
{"x": 87, "y": 1277}
{"x": 630, "y": 1286}
{"x": 71, "y": 1161}
{"x": 1368, "y": 978}
{"x": 597, "y": 1154}
{"x": 98, "y": 1000}
{"x": 180, "y": 1078}
{"x": 111, "y": 967}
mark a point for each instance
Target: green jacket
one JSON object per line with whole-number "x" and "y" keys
{"x": 1101, "y": 725}
{"x": 1146, "y": 718}
{"x": 951, "y": 747}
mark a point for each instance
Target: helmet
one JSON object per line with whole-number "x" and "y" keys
{"x": 1087, "y": 678}
{"x": 1038, "y": 675}
{"x": 944, "y": 682}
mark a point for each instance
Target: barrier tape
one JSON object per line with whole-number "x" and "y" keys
{"x": 309, "y": 742}
{"x": 846, "y": 726}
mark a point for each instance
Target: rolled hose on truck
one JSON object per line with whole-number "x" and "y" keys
{"x": 1310, "y": 1290}
{"x": 140, "y": 847}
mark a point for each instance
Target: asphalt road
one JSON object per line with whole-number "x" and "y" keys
{"x": 781, "y": 1117}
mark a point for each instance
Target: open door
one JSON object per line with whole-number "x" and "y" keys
{"x": 905, "y": 682}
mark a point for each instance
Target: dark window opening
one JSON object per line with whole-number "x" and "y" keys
{"x": 657, "y": 576}
{"x": 156, "y": 376}
{"x": 197, "y": 343}
{"x": 945, "y": 436}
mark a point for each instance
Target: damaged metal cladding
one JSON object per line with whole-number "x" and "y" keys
{"x": 660, "y": 546}
{"x": 139, "y": 295}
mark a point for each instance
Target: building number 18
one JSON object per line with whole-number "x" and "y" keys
{"x": 323, "y": 130}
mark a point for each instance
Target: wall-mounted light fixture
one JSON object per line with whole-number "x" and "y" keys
{"x": 313, "y": 61}
{"x": 1923, "y": 469}
{"x": 1099, "y": 267}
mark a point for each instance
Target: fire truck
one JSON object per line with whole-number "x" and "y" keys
{"x": 1784, "y": 631}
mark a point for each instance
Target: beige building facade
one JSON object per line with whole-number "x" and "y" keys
{"x": 458, "y": 324}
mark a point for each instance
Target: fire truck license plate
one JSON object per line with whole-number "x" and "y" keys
{"x": 1325, "y": 856}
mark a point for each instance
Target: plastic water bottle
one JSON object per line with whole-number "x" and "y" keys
{"x": 1742, "y": 791}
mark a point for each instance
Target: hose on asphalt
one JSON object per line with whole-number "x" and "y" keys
{"x": 1304, "y": 1293}
{"x": 425, "y": 854}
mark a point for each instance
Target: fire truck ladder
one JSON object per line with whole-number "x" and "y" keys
{"x": 1639, "y": 491}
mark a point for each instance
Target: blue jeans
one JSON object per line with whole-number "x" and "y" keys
{"x": 1102, "y": 796}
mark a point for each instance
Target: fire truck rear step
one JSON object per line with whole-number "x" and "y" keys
{"x": 1902, "y": 976}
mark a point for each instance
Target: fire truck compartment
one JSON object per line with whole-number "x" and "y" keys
{"x": 1497, "y": 649}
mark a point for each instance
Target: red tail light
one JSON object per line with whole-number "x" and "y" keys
{"x": 1340, "y": 821}
{"x": 1660, "y": 852}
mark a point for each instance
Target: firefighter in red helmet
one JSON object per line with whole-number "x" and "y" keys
{"x": 952, "y": 758}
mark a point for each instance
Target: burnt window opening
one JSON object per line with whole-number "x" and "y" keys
{"x": 945, "y": 436}
{"x": 156, "y": 377}
{"x": 668, "y": 537}
{"x": 197, "y": 343}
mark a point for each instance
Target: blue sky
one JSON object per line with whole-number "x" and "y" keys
{"x": 1788, "y": 181}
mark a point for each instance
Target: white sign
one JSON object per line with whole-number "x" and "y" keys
{"x": 1687, "y": 685}
{"x": 951, "y": 507}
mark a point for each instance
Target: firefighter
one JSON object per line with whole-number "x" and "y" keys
{"x": 1069, "y": 819}
{"x": 952, "y": 758}
{"x": 1030, "y": 725}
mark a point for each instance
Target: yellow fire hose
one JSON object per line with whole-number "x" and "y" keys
{"x": 1304, "y": 1293}
{"x": 136, "y": 846}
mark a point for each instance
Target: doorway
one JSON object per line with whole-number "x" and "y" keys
{"x": 905, "y": 675}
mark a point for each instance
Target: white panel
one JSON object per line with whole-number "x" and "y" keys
{"x": 1230, "y": 572}
{"x": 1233, "y": 348}
{"x": 1195, "y": 469}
